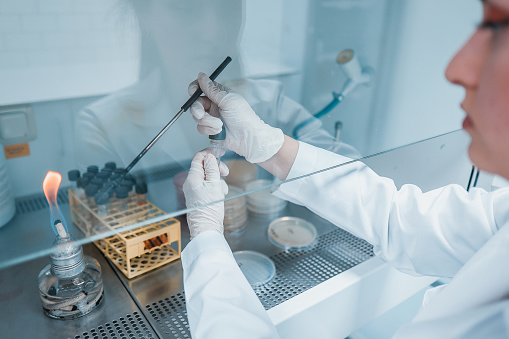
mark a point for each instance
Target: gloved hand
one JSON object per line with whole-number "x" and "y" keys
{"x": 203, "y": 186}
{"x": 246, "y": 133}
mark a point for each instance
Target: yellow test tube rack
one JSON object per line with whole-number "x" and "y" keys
{"x": 136, "y": 251}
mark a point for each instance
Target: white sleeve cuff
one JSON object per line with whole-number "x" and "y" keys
{"x": 308, "y": 160}
{"x": 204, "y": 242}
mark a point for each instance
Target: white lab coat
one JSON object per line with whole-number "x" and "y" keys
{"x": 447, "y": 232}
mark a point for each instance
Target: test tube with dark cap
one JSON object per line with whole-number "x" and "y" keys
{"x": 141, "y": 193}
{"x": 73, "y": 176}
{"x": 122, "y": 194}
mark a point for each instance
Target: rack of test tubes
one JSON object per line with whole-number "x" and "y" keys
{"x": 133, "y": 252}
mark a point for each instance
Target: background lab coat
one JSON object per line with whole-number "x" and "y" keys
{"x": 446, "y": 232}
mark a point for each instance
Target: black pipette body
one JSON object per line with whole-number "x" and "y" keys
{"x": 184, "y": 108}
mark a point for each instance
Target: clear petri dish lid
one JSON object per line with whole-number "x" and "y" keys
{"x": 264, "y": 198}
{"x": 257, "y": 268}
{"x": 291, "y": 232}
{"x": 271, "y": 209}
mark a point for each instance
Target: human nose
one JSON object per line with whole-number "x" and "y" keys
{"x": 465, "y": 67}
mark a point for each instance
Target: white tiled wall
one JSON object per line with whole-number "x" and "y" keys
{"x": 63, "y": 34}
{"x": 47, "y": 32}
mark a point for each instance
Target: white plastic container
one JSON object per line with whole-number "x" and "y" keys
{"x": 7, "y": 206}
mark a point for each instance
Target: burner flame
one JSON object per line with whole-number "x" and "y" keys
{"x": 50, "y": 187}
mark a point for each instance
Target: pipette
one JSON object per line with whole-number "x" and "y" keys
{"x": 184, "y": 108}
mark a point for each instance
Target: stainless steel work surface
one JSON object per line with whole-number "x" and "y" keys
{"x": 21, "y": 313}
{"x": 154, "y": 304}
{"x": 160, "y": 293}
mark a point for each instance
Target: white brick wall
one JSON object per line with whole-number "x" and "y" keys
{"x": 23, "y": 42}
{"x": 18, "y": 6}
{"x": 39, "y": 23}
{"x": 51, "y": 42}
{"x": 13, "y": 59}
{"x": 10, "y": 23}
{"x": 40, "y": 33}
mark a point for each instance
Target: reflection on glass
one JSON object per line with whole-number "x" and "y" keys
{"x": 172, "y": 53}
{"x": 285, "y": 65}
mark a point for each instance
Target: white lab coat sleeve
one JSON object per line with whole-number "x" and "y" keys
{"x": 431, "y": 233}
{"x": 219, "y": 300}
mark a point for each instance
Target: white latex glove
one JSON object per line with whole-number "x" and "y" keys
{"x": 204, "y": 186}
{"x": 246, "y": 133}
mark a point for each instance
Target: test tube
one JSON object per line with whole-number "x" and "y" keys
{"x": 102, "y": 201}
{"x": 90, "y": 192}
{"x": 111, "y": 164}
{"x": 88, "y": 175}
{"x": 73, "y": 176}
{"x": 122, "y": 195}
{"x": 141, "y": 193}
{"x": 128, "y": 184}
{"x": 93, "y": 169}
{"x": 119, "y": 170}
{"x": 98, "y": 182}
{"x": 81, "y": 183}
{"x": 217, "y": 144}
{"x": 105, "y": 174}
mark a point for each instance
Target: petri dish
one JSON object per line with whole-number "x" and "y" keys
{"x": 257, "y": 268}
{"x": 291, "y": 232}
{"x": 263, "y": 202}
{"x": 235, "y": 212}
{"x": 241, "y": 173}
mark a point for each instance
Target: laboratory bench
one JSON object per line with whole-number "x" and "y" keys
{"x": 326, "y": 291}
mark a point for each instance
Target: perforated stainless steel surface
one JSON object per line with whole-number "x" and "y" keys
{"x": 171, "y": 317}
{"x": 131, "y": 326}
{"x": 296, "y": 272}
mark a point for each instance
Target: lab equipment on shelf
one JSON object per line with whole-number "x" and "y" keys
{"x": 356, "y": 74}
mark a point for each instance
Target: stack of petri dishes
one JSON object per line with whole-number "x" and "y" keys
{"x": 241, "y": 173}
{"x": 263, "y": 202}
{"x": 178, "y": 181}
{"x": 235, "y": 212}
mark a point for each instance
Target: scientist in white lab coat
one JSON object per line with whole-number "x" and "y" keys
{"x": 447, "y": 232}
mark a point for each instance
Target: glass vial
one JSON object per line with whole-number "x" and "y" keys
{"x": 71, "y": 285}
{"x": 217, "y": 144}
{"x": 102, "y": 200}
{"x": 73, "y": 176}
{"x": 141, "y": 193}
{"x": 122, "y": 195}
{"x": 90, "y": 192}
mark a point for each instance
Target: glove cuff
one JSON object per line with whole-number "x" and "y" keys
{"x": 268, "y": 144}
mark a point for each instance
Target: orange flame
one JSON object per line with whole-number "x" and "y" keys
{"x": 50, "y": 186}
